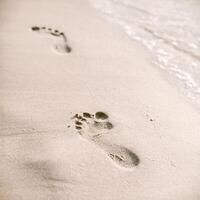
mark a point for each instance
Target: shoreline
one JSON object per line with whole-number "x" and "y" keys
{"x": 169, "y": 77}
{"x": 41, "y": 90}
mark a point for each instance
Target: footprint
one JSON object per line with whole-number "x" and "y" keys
{"x": 122, "y": 156}
{"x": 93, "y": 126}
{"x": 60, "y": 38}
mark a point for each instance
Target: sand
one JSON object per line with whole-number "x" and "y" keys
{"x": 94, "y": 122}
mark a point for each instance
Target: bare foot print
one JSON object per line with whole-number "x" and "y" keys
{"x": 93, "y": 126}
{"x": 60, "y": 38}
{"x": 122, "y": 156}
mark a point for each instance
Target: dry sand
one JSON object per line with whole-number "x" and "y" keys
{"x": 145, "y": 147}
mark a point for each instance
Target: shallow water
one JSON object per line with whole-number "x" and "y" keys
{"x": 169, "y": 29}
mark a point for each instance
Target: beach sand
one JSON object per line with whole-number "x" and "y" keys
{"x": 93, "y": 121}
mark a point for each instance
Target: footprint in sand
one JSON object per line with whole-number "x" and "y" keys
{"x": 93, "y": 126}
{"x": 60, "y": 38}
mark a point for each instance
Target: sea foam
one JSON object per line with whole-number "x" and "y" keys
{"x": 169, "y": 29}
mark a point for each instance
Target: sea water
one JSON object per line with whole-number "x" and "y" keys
{"x": 169, "y": 29}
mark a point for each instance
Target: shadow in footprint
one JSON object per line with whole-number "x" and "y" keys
{"x": 60, "y": 38}
{"x": 93, "y": 126}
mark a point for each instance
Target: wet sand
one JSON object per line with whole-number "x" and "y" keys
{"x": 85, "y": 115}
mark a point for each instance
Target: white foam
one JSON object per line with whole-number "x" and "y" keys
{"x": 170, "y": 29}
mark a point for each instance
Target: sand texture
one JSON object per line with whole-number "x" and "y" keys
{"x": 84, "y": 115}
